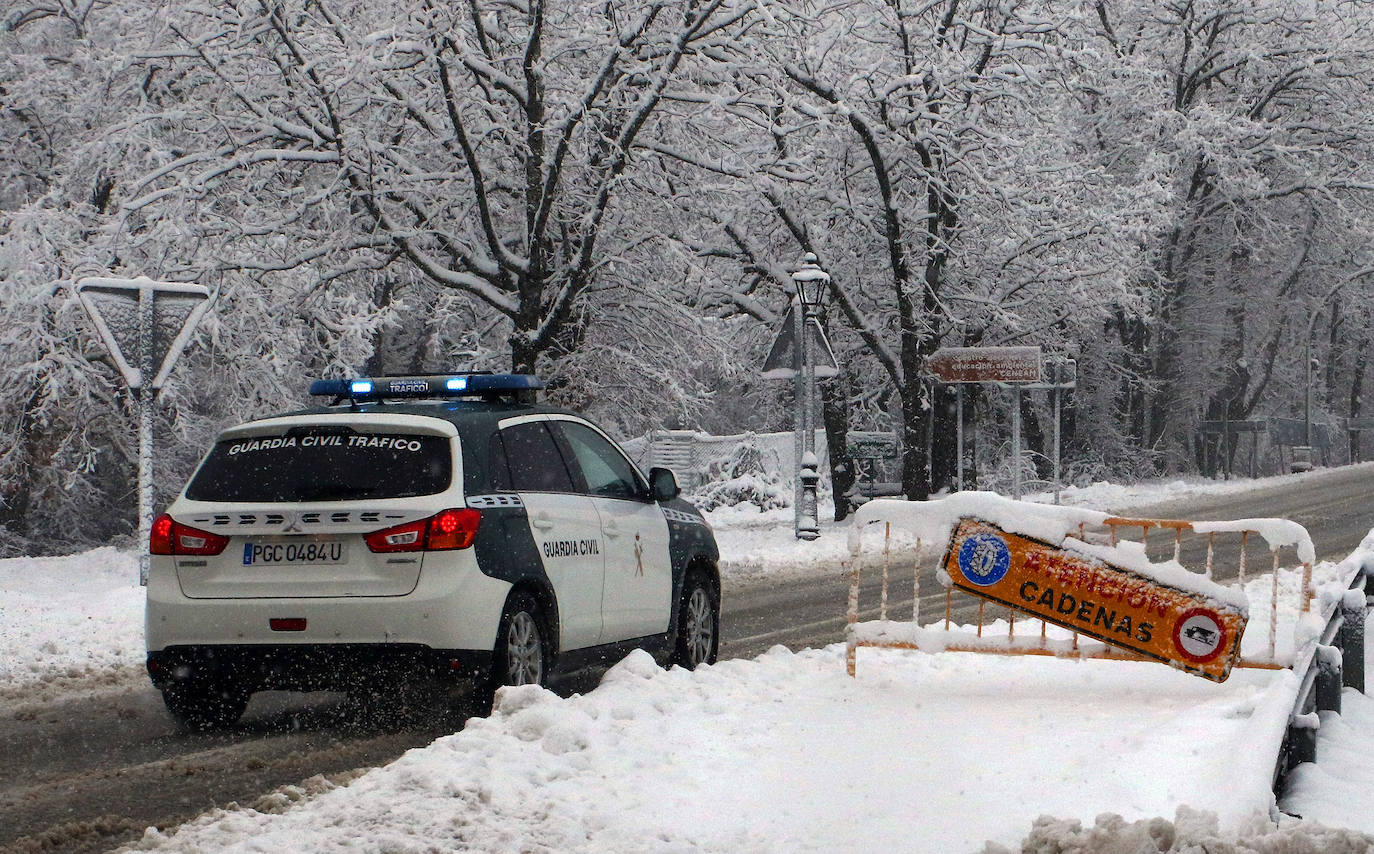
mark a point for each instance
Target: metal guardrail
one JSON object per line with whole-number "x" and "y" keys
{"x": 1335, "y": 661}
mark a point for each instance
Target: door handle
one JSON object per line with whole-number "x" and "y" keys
{"x": 542, "y": 521}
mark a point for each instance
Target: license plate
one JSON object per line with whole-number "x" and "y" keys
{"x": 308, "y": 553}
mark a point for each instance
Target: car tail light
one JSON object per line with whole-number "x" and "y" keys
{"x": 409, "y": 537}
{"x": 453, "y": 529}
{"x": 170, "y": 537}
{"x": 449, "y": 529}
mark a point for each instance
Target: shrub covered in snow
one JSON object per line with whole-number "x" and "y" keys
{"x": 742, "y": 478}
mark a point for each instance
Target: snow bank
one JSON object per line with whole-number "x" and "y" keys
{"x": 1191, "y": 831}
{"x": 932, "y": 521}
{"x": 68, "y": 623}
{"x": 921, "y": 753}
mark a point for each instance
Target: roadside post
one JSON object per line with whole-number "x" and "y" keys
{"x": 801, "y": 353}
{"x": 1061, "y": 375}
{"x": 145, "y": 325}
{"x": 1353, "y": 427}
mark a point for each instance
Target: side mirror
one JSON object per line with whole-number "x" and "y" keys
{"x": 663, "y": 484}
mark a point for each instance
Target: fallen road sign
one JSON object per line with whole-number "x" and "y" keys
{"x": 1092, "y": 597}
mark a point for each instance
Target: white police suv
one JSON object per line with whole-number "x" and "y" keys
{"x": 419, "y": 530}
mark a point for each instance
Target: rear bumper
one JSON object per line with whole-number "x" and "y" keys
{"x": 317, "y": 667}
{"x": 454, "y": 606}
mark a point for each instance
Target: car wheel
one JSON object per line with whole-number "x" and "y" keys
{"x": 521, "y": 655}
{"x": 205, "y": 706}
{"x": 698, "y": 623}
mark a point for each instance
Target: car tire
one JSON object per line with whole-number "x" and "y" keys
{"x": 521, "y": 656}
{"x": 698, "y": 623}
{"x": 205, "y": 706}
{"x": 522, "y": 653}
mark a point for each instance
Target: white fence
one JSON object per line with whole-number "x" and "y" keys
{"x": 699, "y": 457}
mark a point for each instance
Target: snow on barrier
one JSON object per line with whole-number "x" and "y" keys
{"x": 1313, "y": 628}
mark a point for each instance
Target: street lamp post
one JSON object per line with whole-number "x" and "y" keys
{"x": 1303, "y": 457}
{"x": 811, "y": 284}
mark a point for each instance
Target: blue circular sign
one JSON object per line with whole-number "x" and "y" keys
{"x": 984, "y": 559}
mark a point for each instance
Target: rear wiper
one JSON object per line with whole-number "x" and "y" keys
{"x": 332, "y": 492}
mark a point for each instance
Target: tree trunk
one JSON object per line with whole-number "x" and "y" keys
{"x": 524, "y": 356}
{"x": 973, "y": 401}
{"x": 915, "y": 460}
{"x": 944, "y": 437}
{"x": 1135, "y": 340}
{"x": 1357, "y": 392}
{"x": 835, "y": 415}
{"x": 375, "y": 366}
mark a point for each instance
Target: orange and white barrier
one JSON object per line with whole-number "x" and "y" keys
{"x": 1078, "y": 583}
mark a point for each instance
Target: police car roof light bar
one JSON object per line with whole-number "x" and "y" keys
{"x": 439, "y": 386}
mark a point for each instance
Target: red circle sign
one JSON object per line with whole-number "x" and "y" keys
{"x": 1199, "y": 635}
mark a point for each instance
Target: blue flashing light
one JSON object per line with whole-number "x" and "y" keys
{"x": 443, "y": 386}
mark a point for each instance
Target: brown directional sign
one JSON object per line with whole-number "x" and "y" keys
{"x": 1115, "y": 605}
{"x": 985, "y": 364}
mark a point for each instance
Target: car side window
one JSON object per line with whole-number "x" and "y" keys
{"x": 496, "y": 463}
{"x": 534, "y": 461}
{"x": 606, "y": 471}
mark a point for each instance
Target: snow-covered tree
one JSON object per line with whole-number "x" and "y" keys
{"x": 1255, "y": 118}
{"x": 488, "y": 148}
{"x": 923, "y": 152}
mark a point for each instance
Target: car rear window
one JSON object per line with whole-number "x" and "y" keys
{"x": 333, "y": 465}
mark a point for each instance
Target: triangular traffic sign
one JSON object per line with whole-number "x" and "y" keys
{"x": 117, "y": 307}
{"x": 783, "y": 361}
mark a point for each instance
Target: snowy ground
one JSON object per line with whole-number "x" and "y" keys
{"x": 785, "y": 753}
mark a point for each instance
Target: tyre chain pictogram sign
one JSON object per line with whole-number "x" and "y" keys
{"x": 1089, "y": 596}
